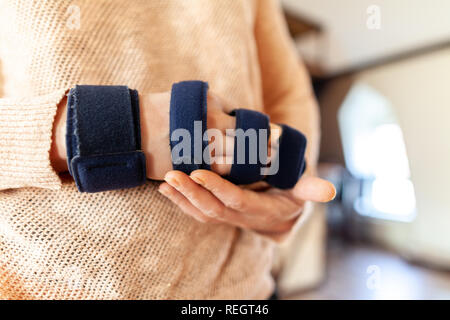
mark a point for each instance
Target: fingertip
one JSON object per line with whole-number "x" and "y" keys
{"x": 165, "y": 186}
{"x": 197, "y": 180}
{"x": 168, "y": 175}
{"x": 165, "y": 189}
{"x": 216, "y": 184}
{"x": 202, "y": 175}
{"x": 173, "y": 174}
{"x": 331, "y": 192}
{"x": 162, "y": 186}
{"x": 314, "y": 189}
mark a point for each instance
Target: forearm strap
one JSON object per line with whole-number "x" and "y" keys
{"x": 103, "y": 138}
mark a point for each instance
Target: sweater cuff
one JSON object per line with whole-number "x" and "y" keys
{"x": 26, "y": 137}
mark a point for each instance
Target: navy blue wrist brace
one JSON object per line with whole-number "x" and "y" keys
{"x": 248, "y": 165}
{"x": 188, "y": 111}
{"x": 103, "y": 138}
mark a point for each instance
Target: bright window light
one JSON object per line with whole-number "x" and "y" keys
{"x": 393, "y": 196}
{"x": 389, "y": 158}
{"x": 375, "y": 152}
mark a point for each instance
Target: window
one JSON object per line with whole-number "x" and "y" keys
{"x": 375, "y": 153}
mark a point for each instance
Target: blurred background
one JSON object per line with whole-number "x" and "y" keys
{"x": 381, "y": 74}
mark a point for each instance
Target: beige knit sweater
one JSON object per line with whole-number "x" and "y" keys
{"x": 57, "y": 243}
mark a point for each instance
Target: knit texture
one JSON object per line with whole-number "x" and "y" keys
{"x": 58, "y": 243}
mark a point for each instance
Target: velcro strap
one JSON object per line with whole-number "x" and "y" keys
{"x": 188, "y": 115}
{"x": 250, "y": 146}
{"x": 103, "y": 138}
{"x": 290, "y": 158}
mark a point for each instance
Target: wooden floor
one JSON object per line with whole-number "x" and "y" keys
{"x": 359, "y": 272}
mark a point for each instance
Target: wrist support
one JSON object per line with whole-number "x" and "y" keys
{"x": 103, "y": 138}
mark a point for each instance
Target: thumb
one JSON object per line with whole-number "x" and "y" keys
{"x": 314, "y": 189}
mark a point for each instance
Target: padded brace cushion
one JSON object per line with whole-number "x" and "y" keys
{"x": 254, "y": 157}
{"x": 290, "y": 155}
{"x": 103, "y": 138}
{"x": 188, "y": 104}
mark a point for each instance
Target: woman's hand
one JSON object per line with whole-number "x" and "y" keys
{"x": 204, "y": 194}
{"x": 155, "y": 132}
{"x": 208, "y": 198}
{"x": 154, "y": 120}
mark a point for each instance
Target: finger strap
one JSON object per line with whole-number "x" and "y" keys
{"x": 188, "y": 111}
{"x": 290, "y": 159}
{"x": 250, "y": 146}
{"x": 188, "y": 114}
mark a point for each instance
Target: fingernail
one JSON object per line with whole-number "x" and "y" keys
{"x": 332, "y": 193}
{"x": 172, "y": 181}
{"x": 162, "y": 191}
{"x": 198, "y": 180}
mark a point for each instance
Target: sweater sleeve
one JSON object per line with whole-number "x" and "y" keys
{"x": 25, "y": 140}
{"x": 287, "y": 91}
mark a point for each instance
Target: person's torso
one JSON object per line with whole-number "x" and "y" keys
{"x": 127, "y": 243}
